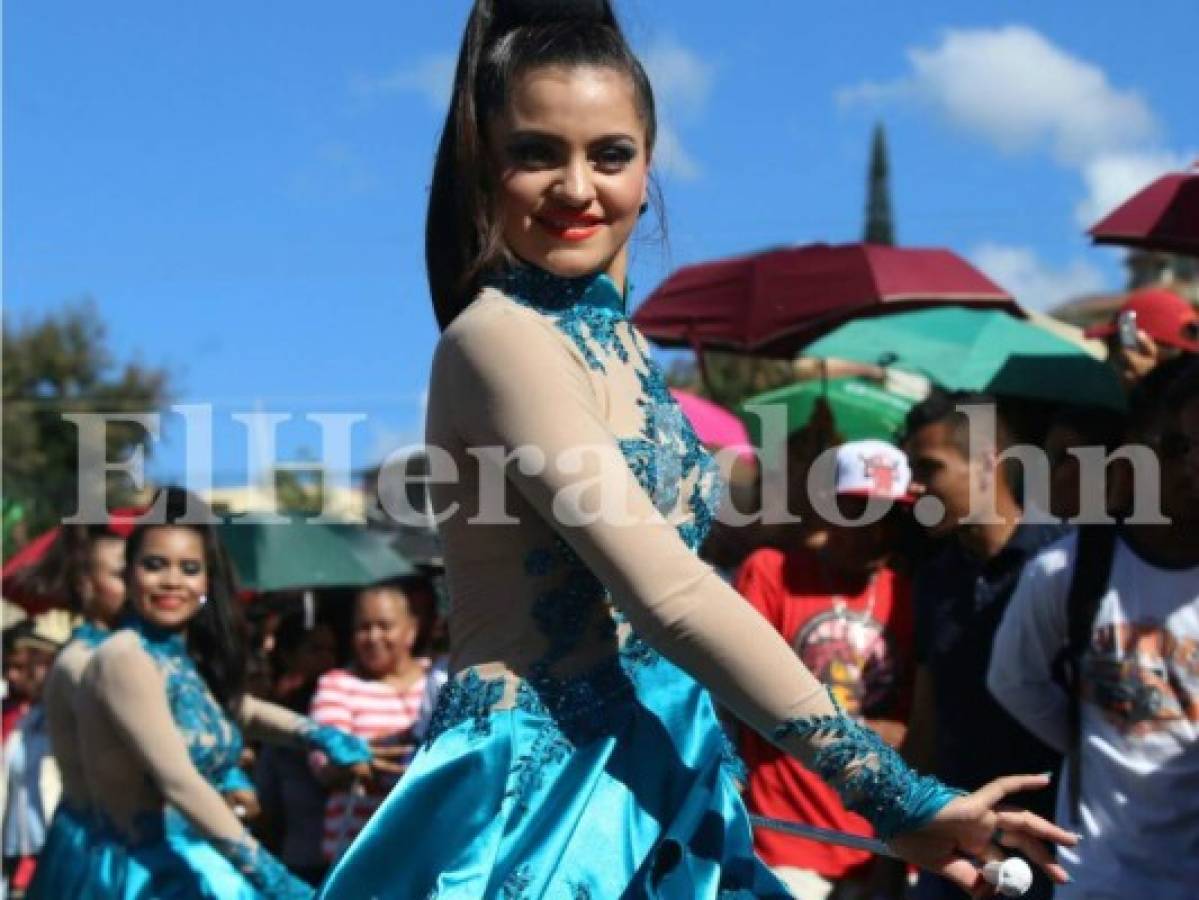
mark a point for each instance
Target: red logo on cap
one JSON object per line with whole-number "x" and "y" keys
{"x": 881, "y": 470}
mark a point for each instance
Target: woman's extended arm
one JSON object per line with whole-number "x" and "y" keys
{"x": 275, "y": 724}
{"x": 517, "y": 384}
{"x": 131, "y": 688}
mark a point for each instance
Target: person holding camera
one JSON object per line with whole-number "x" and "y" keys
{"x": 1152, "y": 326}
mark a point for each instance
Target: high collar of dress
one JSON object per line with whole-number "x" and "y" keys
{"x": 161, "y": 639}
{"x": 548, "y": 292}
{"x": 89, "y": 633}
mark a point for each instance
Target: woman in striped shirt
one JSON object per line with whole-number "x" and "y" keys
{"x": 378, "y": 698}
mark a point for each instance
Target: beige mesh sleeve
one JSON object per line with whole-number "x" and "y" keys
{"x": 271, "y": 723}
{"x": 131, "y": 689}
{"x": 517, "y": 384}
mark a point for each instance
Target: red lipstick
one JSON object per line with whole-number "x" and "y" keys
{"x": 569, "y": 226}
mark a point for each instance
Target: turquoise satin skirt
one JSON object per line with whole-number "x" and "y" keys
{"x": 173, "y": 862}
{"x": 62, "y": 865}
{"x": 626, "y": 795}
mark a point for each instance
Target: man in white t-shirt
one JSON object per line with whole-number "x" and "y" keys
{"x": 1138, "y": 735}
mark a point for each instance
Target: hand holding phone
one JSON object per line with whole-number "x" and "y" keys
{"x": 1126, "y": 328}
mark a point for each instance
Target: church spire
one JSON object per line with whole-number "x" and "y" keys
{"x": 880, "y": 229}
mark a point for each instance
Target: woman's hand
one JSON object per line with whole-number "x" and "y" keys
{"x": 970, "y": 831}
{"x": 383, "y": 767}
{"x": 389, "y": 760}
{"x": 244, "y": 804}
{"x": 1134, "y": 363}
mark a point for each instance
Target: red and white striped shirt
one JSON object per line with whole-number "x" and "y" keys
{"x": 372, "y": 710}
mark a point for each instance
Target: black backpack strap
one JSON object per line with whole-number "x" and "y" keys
{"x": 1088, "y": 584}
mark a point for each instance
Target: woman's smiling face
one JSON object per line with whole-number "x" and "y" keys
{"x": 169, "y": 576}
{"x": 573, "y": 168}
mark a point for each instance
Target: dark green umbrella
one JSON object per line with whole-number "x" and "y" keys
{"x": 861, "y": 409}
{"x": 301, "y": 554}
{"x": 977, "y": 350}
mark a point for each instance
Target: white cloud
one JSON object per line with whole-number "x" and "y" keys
{"x": 682, "y": 80}
{"x": 1015, "y": 89}
{"x": 682, "y": 83}
{"x": 1114, "y": 177}
{"x": 432, "y": 77}
{"x": 672, "y": 158}
{"x": 1033, "y": 283}
{"x": 1019, "y": 92}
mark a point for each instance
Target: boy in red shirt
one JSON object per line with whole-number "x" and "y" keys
{"x": 849, "y": 617}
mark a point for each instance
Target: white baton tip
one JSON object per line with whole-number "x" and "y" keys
{"x": 1012, "y": 877}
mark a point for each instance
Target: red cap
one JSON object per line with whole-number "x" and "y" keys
{"x": 1162, "y": 315}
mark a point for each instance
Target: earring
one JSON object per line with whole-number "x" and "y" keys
{"x": 203, "y": 599}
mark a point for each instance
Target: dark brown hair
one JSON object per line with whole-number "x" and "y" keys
{"x": 503, "y": 39}
{"x": 66, "y": 565}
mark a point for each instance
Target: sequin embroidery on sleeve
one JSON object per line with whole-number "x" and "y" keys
{"x": 869, "y": 775}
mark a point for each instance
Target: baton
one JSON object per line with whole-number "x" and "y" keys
{"x": 1011, "y": 877}
{"x": 825, "y": 835}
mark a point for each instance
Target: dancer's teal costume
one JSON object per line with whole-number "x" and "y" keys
{"x": 574, "y": 754}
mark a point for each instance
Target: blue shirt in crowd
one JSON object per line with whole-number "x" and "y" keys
{"x": 960, "y": 601}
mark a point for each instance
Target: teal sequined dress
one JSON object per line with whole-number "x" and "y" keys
{"x": 62, "y": 869}
{"x": 568, "y": 759}
{"x": 167, "y": 858}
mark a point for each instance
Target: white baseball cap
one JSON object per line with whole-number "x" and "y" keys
{"x": 873, "y": 468}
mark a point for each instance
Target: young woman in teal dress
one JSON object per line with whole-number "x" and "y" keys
{"x": 576, "y": 752}
{"x": 86, "y": 566}
{"x": 161, "y": 712}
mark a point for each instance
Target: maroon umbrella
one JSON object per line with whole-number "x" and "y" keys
{"x": 776, "y": 302}
{"x": 1163, "y": 216}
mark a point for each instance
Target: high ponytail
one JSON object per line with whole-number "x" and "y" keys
{"x": 503, "y": 38}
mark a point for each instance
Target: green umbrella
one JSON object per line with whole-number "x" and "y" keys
{"x": 861, "y": 408}
{"x": 977, "y": 350}
{"x": 300, "y": 554}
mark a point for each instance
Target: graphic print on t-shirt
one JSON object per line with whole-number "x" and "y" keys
{"x": 853, "y": 656}
{"x": 1143, "y": 677}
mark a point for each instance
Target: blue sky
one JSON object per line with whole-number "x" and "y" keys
{"x": 240, "y": 187}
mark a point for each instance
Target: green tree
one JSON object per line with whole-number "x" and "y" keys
{"x": 60, "y": 363}
{"x": 300, "y": 493}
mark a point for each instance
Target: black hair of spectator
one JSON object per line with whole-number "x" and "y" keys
{"x": 1185, "y": 387}
{"x": 291, "y": 634}
{"x": 945, "y": 406}
{"x": 21, "y": 629}
{"x": 1154, "y": 396}
{"x": 1097, "y": 427}
{"x": 216, "y": 638}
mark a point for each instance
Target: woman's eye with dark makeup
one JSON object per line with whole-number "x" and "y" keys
{"x": 152, "y": 563}
{"x": 614, "y": 157}
{"x": 531, "y": 154}
{"x": 191, "y": 567}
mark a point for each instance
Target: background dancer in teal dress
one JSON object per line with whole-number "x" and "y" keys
{"x": 86, "y": 565}
{"x": 161, "y": 711}
{"x": 575, "y": 752}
